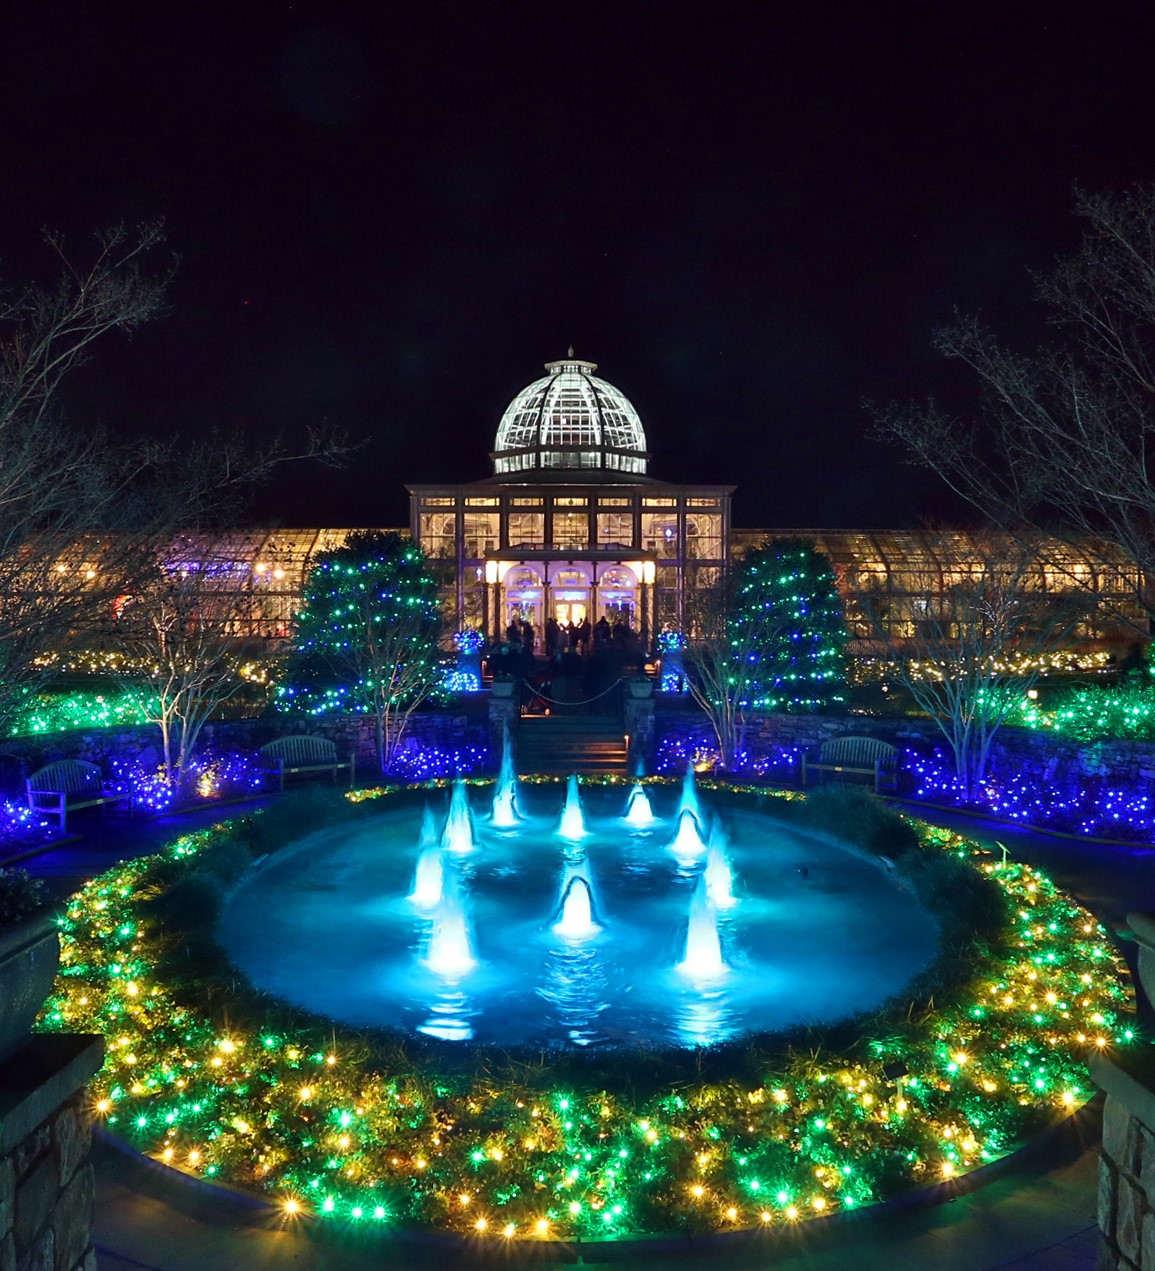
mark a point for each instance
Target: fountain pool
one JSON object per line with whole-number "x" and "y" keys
{"x": 582, "y": 922}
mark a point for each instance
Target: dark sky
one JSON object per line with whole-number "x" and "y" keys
{"x": 752, "y": 216}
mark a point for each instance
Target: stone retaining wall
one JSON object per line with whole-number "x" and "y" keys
{"x": 47, "y": 1184}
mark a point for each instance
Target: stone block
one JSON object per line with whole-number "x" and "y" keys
{"x": 1129, "y": 1219}
{"x": 40, "y": 1256}
{"x": 31, "y": 1150}
{"x": 7, "y": 1253}
{"x": 1117, "y": 1131}
{"x": 88, "y": 1262}
{"x": 7, "y": 1195}
{"x": 1108, "y": 1203}
{"x": 1148, "y": 1246}
{"x": 72, "y": 1221}
{"x": 35, "y": 1199}
{"x": 46, "y": 1073}
{"x": 72, "y": 1137}
{"x": 1105, "y": 1259}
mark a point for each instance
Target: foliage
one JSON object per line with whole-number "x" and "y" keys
{"x": 20, "y": 895}
{"x": 973, "y": 644}
{"x": 1098, "y": 712}
{"x": 367, "y": 635}
{"x": 241, "y": 1089}
{"x": 771, "y": 638}
{"x": 58, "y": 712}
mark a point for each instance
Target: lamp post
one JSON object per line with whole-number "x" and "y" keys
{"x": 649, "y": 573}
{"x": 491, "y": 595}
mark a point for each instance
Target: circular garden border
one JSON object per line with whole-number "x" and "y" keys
{"x": 209, "y": 1076}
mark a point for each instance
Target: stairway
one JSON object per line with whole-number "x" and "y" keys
{"x": 561, "y": 744}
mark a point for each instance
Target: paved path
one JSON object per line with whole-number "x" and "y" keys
{"x": 1038, "y": 1216}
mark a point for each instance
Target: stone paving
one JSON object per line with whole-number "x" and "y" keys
{"x": 1039, "y": 1215}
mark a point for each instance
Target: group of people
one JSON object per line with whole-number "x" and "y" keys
{"x": 567, "y": 646}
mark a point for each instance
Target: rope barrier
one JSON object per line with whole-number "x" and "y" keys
{"x": 554, "y": 701}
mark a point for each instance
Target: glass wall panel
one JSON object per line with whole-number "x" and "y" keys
{"x": 437, "y": 533}
{"x": 526, "y": 528}
{"x": 480, "y": 534}
{"x": 571, "y": 529}
{"x": 660, "y": 533}
{"x": 704, "y": 536}
{"x": 615, "y": 527}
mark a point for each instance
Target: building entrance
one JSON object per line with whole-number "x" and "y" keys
{"x": 570, "y": 611}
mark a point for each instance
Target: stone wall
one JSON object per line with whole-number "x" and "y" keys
{"x": 47, "y": 1185}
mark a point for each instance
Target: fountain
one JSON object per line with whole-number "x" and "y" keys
{"x": 505, "y": 792}
{"x": 527, "y": 936}
{"x": 458, "y": 835}
{"x": 702, "y": 960}
{"x": 450, "y": 951}
{"x": 687, "y": 842}
{"x": 428, "y": 879}
{"x": 639, "y": 812}
{"x": 718, "y": 874}
{"x": 577, "y": 921}
{"x": 690, "y": 801}
{"x": 573, "y": 822}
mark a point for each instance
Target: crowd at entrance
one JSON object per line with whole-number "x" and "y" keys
{"x": 574, "y": 666}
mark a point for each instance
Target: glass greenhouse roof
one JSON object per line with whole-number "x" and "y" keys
{"x": 570, "y": 419}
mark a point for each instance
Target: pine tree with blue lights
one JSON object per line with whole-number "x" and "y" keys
{"x": 786, "y": 621}
{"x": 368, "y": 635}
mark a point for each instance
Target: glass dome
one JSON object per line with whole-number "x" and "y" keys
{"x": 570, "y": 419}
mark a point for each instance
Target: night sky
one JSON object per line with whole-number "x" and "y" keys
{"x": 388, "y": 216}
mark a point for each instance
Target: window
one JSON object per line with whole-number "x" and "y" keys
{"x": 571, "y": 529}
{"x": 437, "y": 534}
{"x": 526, "y": 528}
{"x": 438, "y": 503}
{"x": 701, "y": 503}
{"x": 480, "y": 534}
{"x": 614, "y": 503}
{"x": 526, "y": 503}
{"x": 704, "y": 536}
{"x": 481, "y": 503}
{"x": 568, "y": 501}
{"x": 616, "y": 527}
{"x": 659, "y": 503}
{"x": 660, "y": 534}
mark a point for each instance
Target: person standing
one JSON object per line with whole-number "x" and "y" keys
{"x": 552, "y": 636}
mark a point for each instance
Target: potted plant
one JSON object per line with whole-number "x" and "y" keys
{"x": 29, "y": 955}
{"x": 504, "y": 684}
{"x": 640, "y": 686}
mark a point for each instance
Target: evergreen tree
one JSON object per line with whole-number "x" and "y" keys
{"x": 367, "y": 637}
{"x": 786, "y": 620}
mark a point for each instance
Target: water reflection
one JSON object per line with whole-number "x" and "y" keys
{"x": 575, "y": 985}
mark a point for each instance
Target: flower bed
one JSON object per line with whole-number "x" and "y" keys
{"x": 385, "y": 1129}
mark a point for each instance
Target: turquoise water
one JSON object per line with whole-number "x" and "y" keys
{"x": 817, "y": 933}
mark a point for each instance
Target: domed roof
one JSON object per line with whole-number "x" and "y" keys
{"x": 570, "y": 419}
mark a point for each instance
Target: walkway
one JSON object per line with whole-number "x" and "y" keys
{"x": 1038, "y": 1216}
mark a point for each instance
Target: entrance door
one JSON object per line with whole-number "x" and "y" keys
{"x": 569, "y": 611}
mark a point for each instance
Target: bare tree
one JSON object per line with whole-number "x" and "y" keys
{"x": 80, "y": 512}
{"x": 1064, "y": 439}
{"x": 968, "y": 638}
{"x": 185, "y": 630}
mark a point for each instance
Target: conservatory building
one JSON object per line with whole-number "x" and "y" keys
{"x": 570, "y": 525}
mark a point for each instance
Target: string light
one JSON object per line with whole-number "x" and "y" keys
{"x": 302, "y": 1111}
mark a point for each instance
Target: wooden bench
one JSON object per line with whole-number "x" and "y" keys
{"x": 303, "y": 755}
{"x": 67, "y": 785}
{"x": 856, "y": 757}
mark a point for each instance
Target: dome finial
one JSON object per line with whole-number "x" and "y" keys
{"x": 569, "y": 351}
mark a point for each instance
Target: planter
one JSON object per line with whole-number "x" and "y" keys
{"x": 504, "y": 688}
{"x": 29, "y": 956}
{"x": 640, "y": 688}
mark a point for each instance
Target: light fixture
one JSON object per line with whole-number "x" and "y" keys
{"x": 491, "y": 571}
{"x": 649, "y": 572}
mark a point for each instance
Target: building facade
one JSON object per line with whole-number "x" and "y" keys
{"x": 570, "y": 525}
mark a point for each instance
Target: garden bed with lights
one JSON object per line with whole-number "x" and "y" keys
{"x": 390, "y": 1129}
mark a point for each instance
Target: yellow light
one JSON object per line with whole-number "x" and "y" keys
{"x": 306, "y": 1092}
{"x": 194, "y": 1157}
{"x": 764, "y": 1216}
{"x": 227, "y": 1045}
{"x": 292, "y": 1207}
{"x": 167, "y": 1154}
{"x": 330, "y": 1060}
{"x": 819, "y": 1203}
{"x": 791, "y": 1211}
{"x": 697, "y": 1190}
{"x": 508, "y": 1230}
{"x": 103, "y": 1105}
{"x": 731, "y": 1213}
{"x": 541, "y": 1226}
{"x": 481, "y": 1224}
{"x": 464, "y": 1198}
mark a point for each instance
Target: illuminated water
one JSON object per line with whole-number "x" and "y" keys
{"x": 505, "y": 792}
{"x": 573, "y": 822}
{"x": 639, "y": 813}
{"x": 542, "y": 940}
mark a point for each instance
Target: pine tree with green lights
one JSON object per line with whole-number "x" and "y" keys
{"x": 787, "y": 629}
{"x": 367, "y": 636}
